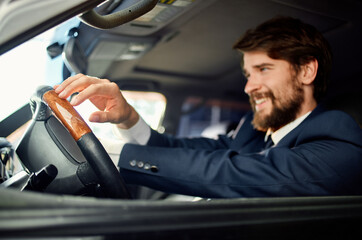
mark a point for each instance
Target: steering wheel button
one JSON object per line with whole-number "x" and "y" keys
{"x": 133, "y": 163}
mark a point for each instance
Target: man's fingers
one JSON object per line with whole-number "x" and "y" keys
{"x": 61, "y": 89}
{"x": 106, "y": 90}
{"x": 105, "y": 95}
{"x": 77, "y": 83}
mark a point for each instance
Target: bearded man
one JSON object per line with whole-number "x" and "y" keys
{"x": 288, "y": 145}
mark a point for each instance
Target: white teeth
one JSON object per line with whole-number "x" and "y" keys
{"x": 259, "y": 101}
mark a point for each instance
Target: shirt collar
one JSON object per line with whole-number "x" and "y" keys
{"x": 282, "y": 132}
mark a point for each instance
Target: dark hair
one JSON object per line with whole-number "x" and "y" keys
{"x": 291, "y": 40}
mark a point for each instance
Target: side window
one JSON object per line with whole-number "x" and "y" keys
{"x": 150, "y": 105}
{"x": 210, "y": 117}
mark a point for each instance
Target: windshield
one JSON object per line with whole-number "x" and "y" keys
{"x": 23, "y": 69}
{"x": 28, "y": 66}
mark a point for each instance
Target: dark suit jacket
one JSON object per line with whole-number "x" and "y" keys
{"x": 322, "y": 156}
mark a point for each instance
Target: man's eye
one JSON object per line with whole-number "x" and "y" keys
{"x": 263, "y": 69}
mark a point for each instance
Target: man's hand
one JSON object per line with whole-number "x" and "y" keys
{"x": 105, "y": 95}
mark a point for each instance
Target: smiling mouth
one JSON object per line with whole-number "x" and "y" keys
{"x": 259, "y": 103}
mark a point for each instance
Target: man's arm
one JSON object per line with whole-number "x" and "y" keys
{"x": 319, "y": 158}
{"x": 304, "y": 171}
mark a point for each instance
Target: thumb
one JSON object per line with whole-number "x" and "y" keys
{"x": 99, "y": 117}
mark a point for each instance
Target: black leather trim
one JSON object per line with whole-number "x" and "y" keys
{"x": 102, "y": 165}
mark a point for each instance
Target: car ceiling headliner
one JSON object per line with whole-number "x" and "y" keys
{"x": 199, "y": 50}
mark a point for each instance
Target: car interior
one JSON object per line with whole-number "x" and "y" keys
{"x": 174, "y": 61}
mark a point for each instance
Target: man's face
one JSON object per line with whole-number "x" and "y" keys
{"x": 274, "y": 91}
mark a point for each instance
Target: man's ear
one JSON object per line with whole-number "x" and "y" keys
{"x": 309, "y": 72}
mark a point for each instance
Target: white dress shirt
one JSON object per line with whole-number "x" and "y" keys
{"x": 140, "y": 133}
{"x": 282, "y": 132}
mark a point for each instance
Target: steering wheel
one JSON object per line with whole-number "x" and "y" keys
{"x": 109, "y": 178}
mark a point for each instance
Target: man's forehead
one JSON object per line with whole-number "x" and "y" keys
{"x": 257, "y": 57}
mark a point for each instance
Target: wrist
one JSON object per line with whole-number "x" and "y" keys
{"x": 140, "y": 133}
{"x": 130, "y": 121}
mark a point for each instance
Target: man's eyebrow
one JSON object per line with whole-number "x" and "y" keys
{"x": 257, "y": 66}
{"x": 263, "y": 65}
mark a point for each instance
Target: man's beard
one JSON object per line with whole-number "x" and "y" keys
{"x": 285, "y": 108}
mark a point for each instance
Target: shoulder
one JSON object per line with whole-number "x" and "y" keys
{"x": 332, "y": 118}
{"x": 332, "y": 124}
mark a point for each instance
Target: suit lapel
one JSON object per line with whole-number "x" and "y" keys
{"x": 291, "y": 138}
{"x": 247, "y": 139}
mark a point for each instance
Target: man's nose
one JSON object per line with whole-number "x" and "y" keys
{"x": 252, "y": 84}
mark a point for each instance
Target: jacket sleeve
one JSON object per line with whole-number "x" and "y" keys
{"x": 165, "y": 140}
{"x": 248, "y": 135}
{"x": 322, "y": 162}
